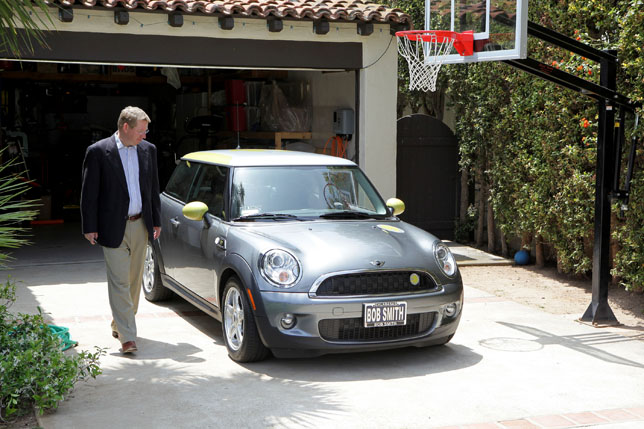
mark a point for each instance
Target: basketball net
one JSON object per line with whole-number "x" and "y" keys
{"x": 425, "y": 55}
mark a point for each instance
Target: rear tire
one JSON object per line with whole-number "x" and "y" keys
{"x": 153, "y": 288}
{"x": 239, "y": 327}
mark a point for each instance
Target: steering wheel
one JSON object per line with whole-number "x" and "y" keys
{"x": 332, "y": 195}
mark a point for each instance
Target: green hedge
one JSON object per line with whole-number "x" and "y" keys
{"x": 534, "y": 144}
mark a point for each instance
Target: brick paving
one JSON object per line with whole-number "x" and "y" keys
{"x": 568, "y": 420}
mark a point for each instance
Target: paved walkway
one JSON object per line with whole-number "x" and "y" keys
{"x": 469, "y": 256}
{"x": 509, "y": 366}
{"x": 615, "y": 418}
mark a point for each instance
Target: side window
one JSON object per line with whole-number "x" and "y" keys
{"x": 209, "y": 188}
{"x": 181, "y": 180}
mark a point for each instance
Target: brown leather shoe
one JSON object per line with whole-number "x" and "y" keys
{"x": 115, "y": 334}
{"x": 129, "y": 347}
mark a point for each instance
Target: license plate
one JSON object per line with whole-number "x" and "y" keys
{"x": 384, "y": 314}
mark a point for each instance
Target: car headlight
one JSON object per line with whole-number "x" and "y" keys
{"x": 280, "y": 268}
{"x": 445, "y": 259}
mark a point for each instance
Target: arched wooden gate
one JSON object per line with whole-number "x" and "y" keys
{"x": 427, "y": 174}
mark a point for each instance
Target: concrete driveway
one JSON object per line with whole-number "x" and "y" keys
{"x": 508, "y": 365}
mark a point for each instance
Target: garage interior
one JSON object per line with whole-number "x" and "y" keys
{"x": 51, "y": 112}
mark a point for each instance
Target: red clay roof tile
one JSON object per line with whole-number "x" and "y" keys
{"x": 333, "y": 10}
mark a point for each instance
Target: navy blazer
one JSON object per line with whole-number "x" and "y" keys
{"x": 104, "y": 197}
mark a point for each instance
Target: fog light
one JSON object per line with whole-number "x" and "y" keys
{"x": 288, "y": 321}
{"x": 451, "y": 309}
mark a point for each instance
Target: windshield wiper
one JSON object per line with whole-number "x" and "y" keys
{"x": 349, "y": 214}
{"x": 268, "y": 216}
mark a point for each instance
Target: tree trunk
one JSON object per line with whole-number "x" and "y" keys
{"x": 465, "y": 195}
{"x": 526, "y": 240}
{"x": 614, "y": 247}
{"x": 504, "y": 246}
{"x": 540, "y": 260}
{"x": 559, "y": 266}
{"x": 491, "y": 239}
{"x": 480, "y": 205}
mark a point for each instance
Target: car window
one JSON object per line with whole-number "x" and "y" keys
{"x": 209, "y": 188}
{"x": 302, "y": 191}
{"x": 181, "y": 180}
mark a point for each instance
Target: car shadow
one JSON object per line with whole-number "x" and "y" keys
{"x": 198, "y": 319}
{"x": 399, "y": 363}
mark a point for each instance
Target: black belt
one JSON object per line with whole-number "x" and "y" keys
{"x": 135, "y": 217}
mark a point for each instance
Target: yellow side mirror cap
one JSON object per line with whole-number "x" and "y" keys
{"x": 397, "y": 205}
{"x": 194, "y": 210}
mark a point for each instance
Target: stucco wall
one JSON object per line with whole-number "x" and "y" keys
{"x": 378, "y": 93}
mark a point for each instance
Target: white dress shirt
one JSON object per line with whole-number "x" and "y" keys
{"x": 130, "y": 161}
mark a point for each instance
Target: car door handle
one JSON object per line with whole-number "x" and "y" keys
{"x": 220, "y": 242}
{"x": 175, "y": 222}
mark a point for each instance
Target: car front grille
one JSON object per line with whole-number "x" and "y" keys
{"x": 352, "y": 330}
{"x": 374, "y": 283}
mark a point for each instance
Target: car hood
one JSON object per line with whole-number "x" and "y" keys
{"x": 332, "y": 246}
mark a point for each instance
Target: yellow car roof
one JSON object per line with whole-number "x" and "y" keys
{"x": 264, "y": 157}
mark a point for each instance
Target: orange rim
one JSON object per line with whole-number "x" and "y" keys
{"x": 463, "y": 42}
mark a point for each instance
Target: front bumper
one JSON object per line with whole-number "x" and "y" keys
{"x": 319, "y": 320}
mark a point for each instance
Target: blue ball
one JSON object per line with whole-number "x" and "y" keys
{"x": 522, "y": 257}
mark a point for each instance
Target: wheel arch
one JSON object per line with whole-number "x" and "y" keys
{"x": 238, "y": 267}
{"x": 156, "y": 247}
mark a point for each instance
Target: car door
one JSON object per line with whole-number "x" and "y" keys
{"x": 173, "y": 198}
{"x": 201, "y": 241}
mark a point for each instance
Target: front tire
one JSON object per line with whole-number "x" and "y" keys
{"x": 239, "y": 328}
{"x": 153, "y": 288}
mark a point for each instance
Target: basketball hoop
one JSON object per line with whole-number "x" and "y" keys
{"x": 425, "y": 51}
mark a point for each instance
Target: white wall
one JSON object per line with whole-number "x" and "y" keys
{"x": 378, "y": 94}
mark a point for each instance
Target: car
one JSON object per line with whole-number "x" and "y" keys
{"x": 298, "y": 255}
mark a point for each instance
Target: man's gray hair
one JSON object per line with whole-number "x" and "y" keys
{"x": 131, "y": 115}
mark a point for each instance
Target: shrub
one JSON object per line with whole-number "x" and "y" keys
{"x": 34, "y": 371}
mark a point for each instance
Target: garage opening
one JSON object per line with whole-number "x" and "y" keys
{"x": 51, "y": 111}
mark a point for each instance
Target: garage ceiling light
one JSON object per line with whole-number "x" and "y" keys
{"x": 121, "y": 17}
{"x": 365, "y": 28}
{"x": 226, "y": 22}
{"x": 65, "y": 14}
{"x": 321, "y": 26}
{"x": 175, "y": 19}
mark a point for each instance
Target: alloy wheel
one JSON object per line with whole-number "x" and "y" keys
{"x": 148, "y": 270}
{"x": 234, "y": 318}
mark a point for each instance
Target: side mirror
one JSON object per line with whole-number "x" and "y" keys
{"x": 396, "y": 205}
{"x": 194, "y": 210}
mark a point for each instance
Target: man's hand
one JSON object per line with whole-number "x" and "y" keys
{"x": 92, "y": 237}
{"x": 157, "y": 232}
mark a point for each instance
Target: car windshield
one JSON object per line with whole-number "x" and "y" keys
{"x": 310, "y": 192}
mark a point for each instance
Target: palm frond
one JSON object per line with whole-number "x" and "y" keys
{"x": 21, "y": 25}
{"x": 14, "y": 208}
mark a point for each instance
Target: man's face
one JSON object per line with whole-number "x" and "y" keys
{"x": 131, "y": 136}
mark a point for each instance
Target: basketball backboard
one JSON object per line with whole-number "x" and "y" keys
{"x": 500, "y": 27}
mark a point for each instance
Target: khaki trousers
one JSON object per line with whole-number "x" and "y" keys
{"x": 124, "y": 277}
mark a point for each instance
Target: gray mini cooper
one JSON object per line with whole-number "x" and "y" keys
{"x": 298, "y": 254}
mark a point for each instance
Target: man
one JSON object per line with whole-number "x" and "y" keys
{"x": 120, "y": 209}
